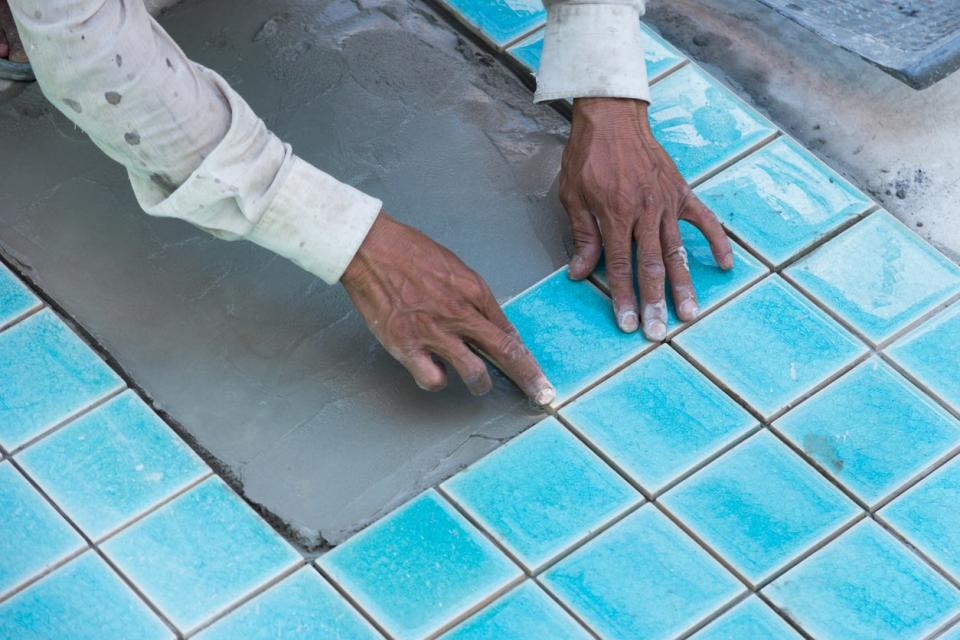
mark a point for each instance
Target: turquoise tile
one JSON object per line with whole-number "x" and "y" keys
{"x": 660, "y": 55}
{"x": 33, "y": 536}
{"x": 872, "y": 430}
{"x": 781, "y": 199}
{"x": 922, "y": 352}
{"x": 15, "y": 298}
{"x": 523, "y": 614}
{"x": 760, "y": 506}
{"x": 658, "y": 418}
{"x": 642, "y": 578}
{"x": 420, "y": 567}
{"x": 878, "y": 276}
{"x": 749, "y": 620}
{"x": 49, "y": 374}
{"x": 928, "y": 516}
{"x": 865, "y": 584}
{"x": 952, "y": 634}
{"x": 82, "y": 600}
{"x": 112, "y": 464}
{"x": 800, "y": 345}
{"x": 701, "y": 123}
{"x": 500, "y": 21}
{"x": 200, "y": 553}
{"x": 541, "y": 493}
{"x": 712, "y": 284}
{"x": 557, "y": 318}
{"x": 301, "y": 606}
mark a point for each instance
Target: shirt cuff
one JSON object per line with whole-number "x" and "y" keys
{"x": 316, "y": 221}
{"x": 592, "y": 50}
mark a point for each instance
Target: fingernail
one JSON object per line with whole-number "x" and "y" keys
{"x": 575, "y": 263}
{"x": 545, "y": 396}
{"x": 689, "y": 309}
{"x": 727, "y": 261}
{"x": 627, "y": 321}
{"x": 655, "y": 330}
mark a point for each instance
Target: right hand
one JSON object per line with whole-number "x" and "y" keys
{"x": 10, "y": 46}
{"x": 422, "y": 302}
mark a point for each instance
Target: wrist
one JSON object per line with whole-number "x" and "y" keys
{"x": 365, "y": 259}
{"x": 611, "y": 115}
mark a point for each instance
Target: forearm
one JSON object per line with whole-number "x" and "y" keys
{"x": 192, "y": 146}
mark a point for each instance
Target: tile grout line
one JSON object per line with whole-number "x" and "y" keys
{"x": 348, "y": 597}
{"x": 29, "y": 313}
{"x": 470, "y": 611}
{"x": 891, "y": 361}
{"x": 829, "y": 235}
{"x": 566, "y": 608}
{"x": 920, "y": 553}
{"x": 953, "y": 623}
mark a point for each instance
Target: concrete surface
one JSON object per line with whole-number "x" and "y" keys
{"x": 264, "y": 367}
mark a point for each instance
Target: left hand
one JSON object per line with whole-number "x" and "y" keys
{"x": 620, "y": 187}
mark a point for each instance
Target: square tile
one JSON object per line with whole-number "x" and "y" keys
{"x": 642, "y": 578}
{"x": 878, "y": 276}
{"x": 33, "y": 536}
{"x": 301, "y": 606}
{"x": 569, "y": 328}
{"x": 749, "y": 620}
{"x": 15, "y": 298}
{"x": 200, "y": 553}
{"x": 49, "y": 374}
{"x": 928, "y": 516}
{"x": 801, "y": 345}
{"x": 781, "y": 199}
{"x": 420, "y": 567}
{"x": 82, "y": 600}
{"x": 541, "y": 492}
{"x": 865, "y": 584}
{"x": 499, "y": 21}
{"x": 660, "y": 55}
{"x": 760, "y": 506}
{"x": 701, "y": 123}
{"x": 112, "y": 464}
{"x": 525, "y": 612}
{"x": 712, "y": 284}
{"x": 922, "y": 353}
{"x": 658, "y": 418}
{"x": 872, "y": 430}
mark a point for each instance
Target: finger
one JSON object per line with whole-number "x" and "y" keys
{"x": 618, "y": 245}
{"x": 706, "y": 221}
{"x": 506, "y": 349}
{"x": 587, "y": 242}
{"x": 650, "y": 274}
{"x": 428, "y": 375}
{"x": 4, "y": 49}
{"x": 471, "y": 368}
{"x": 678, "y": 271}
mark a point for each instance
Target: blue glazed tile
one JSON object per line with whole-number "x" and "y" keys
{"x": 569, "y": 328}
{"x": 541, "y": 493}
{"x": 928, "y": 516}
{"x": 801, "y": 345}
{"x": 112, "y": 464}
{"x": 200, "y": 553}
{"x": 759, "y": 506}
{"x": 878, "y": 276}
{"x": 301, "y": 606}
{"x": 82, "y": 600}
{"x": 701, "y": 123}
{"x": 661, "y": 56}
{"x": 712, "y": 284}
{"x": 922, "y": 352}
{"x": 643, "y": 578}
{"x": 525, "y": 612}
{"x": 420, "y": 567}
{"x": 15, "y": 298}
{"x": 749, "y": 620}
{"x": 865, "y": 584}
{"x": 33, "y": 536}
{"x": 500, "y": 21}
{"x": 48, "y": 375}
{"x": 872, "y": 430}
{"x": 781, "y": 199}
{"x": 658, "y": 418}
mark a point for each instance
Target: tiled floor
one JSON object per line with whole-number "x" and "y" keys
{"x": 786, "y": 466}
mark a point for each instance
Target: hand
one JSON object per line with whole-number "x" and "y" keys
{"x": 619, "y": 186}
{"x": 10, "y": 46}
{"x": 421, "y": 301}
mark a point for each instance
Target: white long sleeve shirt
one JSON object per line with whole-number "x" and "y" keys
{"x": 195, "y": 150}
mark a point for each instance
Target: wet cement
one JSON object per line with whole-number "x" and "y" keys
{"x": 263, "y": 366}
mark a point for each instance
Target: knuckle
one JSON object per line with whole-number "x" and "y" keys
{"x": 619, "y": 266}
{"x": 652, "y": 269}
{"x": 510, "y": 349}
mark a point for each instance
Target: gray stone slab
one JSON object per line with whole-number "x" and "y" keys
{"x": 263, "y": 366}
